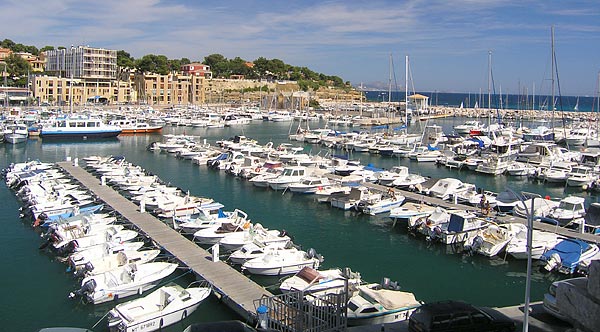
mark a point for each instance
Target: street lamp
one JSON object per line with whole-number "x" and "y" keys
{"x": 530, "y": 213}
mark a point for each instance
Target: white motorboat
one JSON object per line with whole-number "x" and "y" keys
{"x": 254, "y": 250}
{"x": 517, "y": 168}
{"x": 125, "y": 281}
{"x": 108, "y": 235}
{"x": 102, "y": 250}
{"x": 386, "y": 178}
{"x": 111, "y": 262}
{"x": 570, "y": 210}
{"x": 431, "y": 224}
{"x": 309, "y": 185}
{"x": 374, "y": 304}
{"x": 409, "y": 212}
{"x": 541, "y": 207}
{"x": 540, "y": 243}
{"x": 460, "y": 227}
{"x": 282, "y": 262}
{"x": 214, "y": 234}
{"x": 580, "y": 176}
{"x": 290, "y": 174}
{"x": 165, "y": 306}
{"x": 448, "y": 187}
{"x": 15, "y": 133}
{"x": 209, "y": 215}
{"x": 493, "y": 239}
{"x": 61, "y": 235}
{"x": 256, "y": 233}
{"x": 330, "y": 281}
{"x": 380, "y": 204}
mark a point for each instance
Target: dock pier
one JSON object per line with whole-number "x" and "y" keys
{"x": 232, "y": 287}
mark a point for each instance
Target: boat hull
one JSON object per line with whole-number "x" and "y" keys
{"x": 47, "y": 134}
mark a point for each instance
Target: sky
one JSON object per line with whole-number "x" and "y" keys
{"x": 448, "y": 42}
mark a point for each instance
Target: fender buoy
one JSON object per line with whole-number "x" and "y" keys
{"x": 257, "y": 169}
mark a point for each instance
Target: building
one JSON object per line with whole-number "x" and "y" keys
{"x": 418, "y": 101}
{"x": 197, "y": 69}
{"x": 62, "y": 91}
{"x": 83, "y": 62}
{"x": 170, "y": 89}
{"x": 13, "y": 96}
{"x": 4, "y": 53}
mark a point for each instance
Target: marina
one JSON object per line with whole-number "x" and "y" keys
{"x": 303, "y": 211}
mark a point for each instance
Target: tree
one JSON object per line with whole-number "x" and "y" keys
{"x": 7, "y": 43}
{"x": 124, "y": 59}
{"x": 17, "y": 69}
{"x": 46, "y": 48}
{"x": 153, "y": 64}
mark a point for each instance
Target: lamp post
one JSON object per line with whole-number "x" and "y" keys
{"x": 530, "y": 212}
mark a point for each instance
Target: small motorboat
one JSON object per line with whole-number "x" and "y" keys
{"x": 214, "y": 234}
{"x": 255, "y": 234}
{"x": 409, "y": 212}
{"x": 566, "y": 255}
{"x": 376, "y": 304}
{"x": 493, "y": 239}
{"x": 165, "y": 306}
{"x": 101, "y": 250}
{"x": 540, "y": 243}
{"x": 327, "y": 281}
{"x": 254, "y": 250}
{"x": 376, "y": 204}
{"x": 125, "y": 281}
{"x": 281, "y": 262}
{"x": 111, "y": 262}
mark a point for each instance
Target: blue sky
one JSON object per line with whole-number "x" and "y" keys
{"x": 447, "y": 40}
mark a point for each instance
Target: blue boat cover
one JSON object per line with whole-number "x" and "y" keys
{"x": 569, "y": 250}
{"x": 456, "y": 224}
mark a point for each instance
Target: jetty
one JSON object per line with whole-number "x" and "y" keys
{"x": 434, "y": 201}
{"x": 232, "y": 287}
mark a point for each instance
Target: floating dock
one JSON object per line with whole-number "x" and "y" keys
{"x": 234, "y": 289}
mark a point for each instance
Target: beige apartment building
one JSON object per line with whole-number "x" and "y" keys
{"x": 170, "y": 89}
{"x": 58, "y": 91}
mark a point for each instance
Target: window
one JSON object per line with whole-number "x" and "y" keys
{"x": 368, "y": 310}
{"x": 352, "y": 306}
{"x": 479, "y": 318}
{"x": 461, "y": 319}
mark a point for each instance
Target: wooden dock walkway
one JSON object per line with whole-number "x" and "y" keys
{"x": 235, "y": 289}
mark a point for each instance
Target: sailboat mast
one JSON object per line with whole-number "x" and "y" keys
{"x": 406, "y": 91}
{"x": 489, "y": 88}
{"x": 552, "y": 65}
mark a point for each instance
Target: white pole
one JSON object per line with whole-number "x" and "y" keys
{"x": 215, "y": 253}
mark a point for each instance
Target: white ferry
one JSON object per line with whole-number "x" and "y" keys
{"x": 79, "y": 127}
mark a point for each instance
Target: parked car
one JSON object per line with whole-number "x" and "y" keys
{"x": 550, "y": 298}
{"x": 458, "y": 316}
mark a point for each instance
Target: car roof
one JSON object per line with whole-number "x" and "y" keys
{"x": 446, "y": 307}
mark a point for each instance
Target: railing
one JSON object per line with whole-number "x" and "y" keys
{"x": 300, "y": 311}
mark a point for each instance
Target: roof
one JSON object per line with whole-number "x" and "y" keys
{"x": 417, "y": 96}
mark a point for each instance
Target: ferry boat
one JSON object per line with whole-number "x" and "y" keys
{"x": 79, "y": 127}
{"x": 136, "y": 127}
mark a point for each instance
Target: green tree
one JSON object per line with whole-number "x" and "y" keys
{"x": 125, "y": 59}
{"x": 7, "y": 43}
{"x": 46, "y": 48}
{"x": 17, "y": 69}
{"x": 153, "y": 64}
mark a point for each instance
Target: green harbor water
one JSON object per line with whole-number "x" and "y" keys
{"x": 35, "y": 285}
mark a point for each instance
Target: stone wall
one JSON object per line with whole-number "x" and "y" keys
{"x": 582, "y": 305}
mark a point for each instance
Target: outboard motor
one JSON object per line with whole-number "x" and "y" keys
{"x": 311, "y": 253}
{"x": 553, "y": 262}
{"x": 88, "y": 267}
{"x": 86, "y": 289}
{"x": 475, "y": 245}
{"x": 68, "y": 248}
{"x": 282, "y": 233}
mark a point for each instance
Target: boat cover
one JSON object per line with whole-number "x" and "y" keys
{"x": 389, "y": 299}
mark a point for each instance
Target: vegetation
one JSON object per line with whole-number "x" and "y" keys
{"x": 221, "y": 67}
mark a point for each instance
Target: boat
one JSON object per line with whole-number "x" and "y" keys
{"x": 281, "y": 262}
{"x": 566, "y": 255}
{"x": 376, "y": 204}
{"x": 257, "y": 234}
{"x": 506, "y": 201}
{"x": 460, "y": 227}
{"x": 102, "y": 250}
{"x": 448, "y": 187}
{"x": 214, "y": 234}
{"x": 165, "y": 306}
{"x": 540, "y": 243}
{"x": 494, "y": 238}
{"x": 15, "y": 133}
{"x": 570, "y": 210}
{"x": 256, "y": 249}
{"x": 79, "y": 127}
{"x": 111, "y": 262}
{"x": 125, "y": 281}
{"x": 410, "y": 212}
{"x": 468, "y": 127}
{"x": 517, "y": 168}
{"x": 309, "y": 185}
{"x": 581, "y": 176}
{"x": 290, "y": 174}
{"x": 136, "y": 127}
{"x": 541, "y": 207}
{"x": 377, "y": 304}
{"x": 309, "y": 280}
